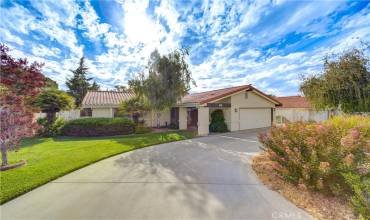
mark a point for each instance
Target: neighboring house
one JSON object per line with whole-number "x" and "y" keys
{"x": 106, "y": 104}
{"x": 298, "y": 108}
{"x": 244, "y": 107}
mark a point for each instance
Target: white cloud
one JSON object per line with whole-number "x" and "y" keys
{"x": 360, "y": 19}
{"x": 169, "y": 13}
{"x": 58, "y": 11}
{"x": 230, "y": 39}
{"x": 253, "y": 13}
{"x": 9, "y": 37}
{"x": 16, "y": 18}
{"x": 139, "y": 28}
{"x": 91, "y": 23}
{"x": 253, "y": 53}
{"x": 42, "y": 51}
{"x": 65, "y": 37}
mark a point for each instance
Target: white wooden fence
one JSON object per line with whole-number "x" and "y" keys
{"x": 66, "y": 115}
{"x": 300, "y": 114}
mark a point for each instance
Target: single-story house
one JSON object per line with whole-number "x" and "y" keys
{"x": 105, "y": 104}
{"x": 244, "y": 107}
{"x": 298, "y": 108}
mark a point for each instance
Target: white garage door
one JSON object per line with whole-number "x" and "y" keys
{"x": 255, "y": 118}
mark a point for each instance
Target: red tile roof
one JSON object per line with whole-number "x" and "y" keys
{"x": 293, "y": 102}
{"x": 110, "y": 98}
{"x": 105, "y": 98}
{"x": 204, "y": 97}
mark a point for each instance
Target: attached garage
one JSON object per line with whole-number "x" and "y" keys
{"x": 244, "y": 107}
{"x": 254, "y": 118}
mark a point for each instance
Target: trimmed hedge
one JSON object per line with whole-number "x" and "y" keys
{"x": 217, "y": 122}
{"x": 141, "y": 129}
{"x": 98, "y": 127}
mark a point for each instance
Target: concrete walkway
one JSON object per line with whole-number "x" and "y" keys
{"x": 202, "y": 178}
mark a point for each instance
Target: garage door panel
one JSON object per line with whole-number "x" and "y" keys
{"x": 255, "y": 118}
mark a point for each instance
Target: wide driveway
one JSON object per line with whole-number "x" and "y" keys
{"x": 203, "y": 178}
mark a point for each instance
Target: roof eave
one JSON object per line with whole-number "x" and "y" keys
{"x": 188, "y": 104}
{"x": 226, "y": 95}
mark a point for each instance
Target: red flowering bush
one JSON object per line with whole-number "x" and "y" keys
{"x": 314, "y": 155}
{"x": 332, "y": 157}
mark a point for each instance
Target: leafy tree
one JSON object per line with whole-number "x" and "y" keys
{"x": 49, "y": 83}
{"x": 79, "y": 84}
{"x": 51, "y": 101}
{"x": 19, "y": 82}
{"x": 94, "y": 87}
{"x": 135, "y": 106}
{"x": 168, "y": 79}
{"x": 120, "y": 88}
{"x": 344, "y": 84}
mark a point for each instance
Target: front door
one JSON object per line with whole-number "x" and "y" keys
{"x": 175, "y": 116}
{"x": 192, "y": 118}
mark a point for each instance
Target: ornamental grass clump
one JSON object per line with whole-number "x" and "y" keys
{"x": 331, "y": 157}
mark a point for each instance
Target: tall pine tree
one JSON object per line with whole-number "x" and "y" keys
{"x": 94, "y": 87}
{"x": 79, "y": 84}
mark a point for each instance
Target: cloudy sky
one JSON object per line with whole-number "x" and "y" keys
{"x": 269, "y": 44}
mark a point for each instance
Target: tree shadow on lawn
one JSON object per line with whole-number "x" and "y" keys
{"x": 165, "y": 136}
{"x": 29, "y": 142}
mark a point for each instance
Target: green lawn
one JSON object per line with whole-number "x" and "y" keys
{"x": 49, "y": 158}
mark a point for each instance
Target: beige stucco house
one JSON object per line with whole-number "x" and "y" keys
{"x": 244, "y": 107}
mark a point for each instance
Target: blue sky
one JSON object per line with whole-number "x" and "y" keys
{"x": 269, "y": 44}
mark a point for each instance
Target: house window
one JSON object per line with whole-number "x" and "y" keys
{"x": 246, "y": 95}
{"x": 86, "y": 112}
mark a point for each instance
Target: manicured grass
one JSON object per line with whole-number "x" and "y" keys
{"x": 50, "y": 158}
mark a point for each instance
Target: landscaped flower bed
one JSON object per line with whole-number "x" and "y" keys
{"x": 330, "y": 157}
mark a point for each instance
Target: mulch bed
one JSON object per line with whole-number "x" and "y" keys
{"x": 318, "y": 205}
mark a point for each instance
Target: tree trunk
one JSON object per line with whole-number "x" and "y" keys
{"x": 50, "y": 116}
{"x": 135, "y": 118}
{"x": 4, "y": 155}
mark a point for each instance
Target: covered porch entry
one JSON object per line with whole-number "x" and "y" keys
{"x": 197, "y": 118}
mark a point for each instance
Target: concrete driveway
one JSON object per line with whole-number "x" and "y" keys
{"x": 203, "y": 178}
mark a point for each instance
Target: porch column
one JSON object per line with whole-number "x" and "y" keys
{"x": 183, "y": 118}
{"x": 203, "y": 121}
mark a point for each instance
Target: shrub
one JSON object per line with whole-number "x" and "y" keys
{"x": 217, "y": 122}
{"x": 350, "y": 121}
{"x": 141, "y": 129}
{"x": 173, "y": 126}
{"x": 50, "y": 130}
{"x": 98, "y": 127}
{"x": 319, "y": 155}
{"x": 360, "y": 199}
